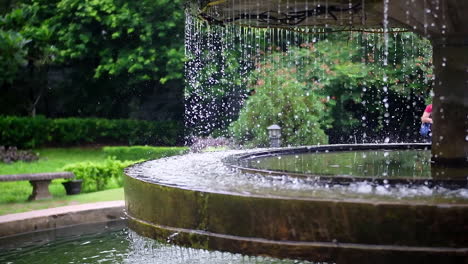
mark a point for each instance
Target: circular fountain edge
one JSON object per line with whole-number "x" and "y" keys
{"x": 313, "y": 229}
{"x": 237, "y": 162}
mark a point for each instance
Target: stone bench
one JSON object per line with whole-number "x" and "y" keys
{"x": 39, "y": 181}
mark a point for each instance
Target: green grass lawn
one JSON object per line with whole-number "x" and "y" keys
{"x": 14, "y": 195}
{"x": 50, "y": 160}
{"x": 53, "y": 159}
{"x": 56, "y": 201}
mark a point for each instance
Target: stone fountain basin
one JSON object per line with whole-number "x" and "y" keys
{"x": 197, "y": 200}
{"x": 394, "y": 164}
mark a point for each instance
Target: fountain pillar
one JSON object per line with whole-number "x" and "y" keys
{"x": 450, "y": 107}
{"x": 444, "y": 23}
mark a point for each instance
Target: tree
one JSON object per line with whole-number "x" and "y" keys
{"x": 34, "y": 53}
{"x": 105, "y": 57}
{"x": 12, "y": 55}
{"x": 118, "y": 37}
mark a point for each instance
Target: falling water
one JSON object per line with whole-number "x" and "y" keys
{"x": 225, "y": 63}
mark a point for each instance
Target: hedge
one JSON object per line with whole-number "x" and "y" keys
{"x": 143, "y": 152}
{"x": 97, "y": 175}
{"x": 32, "y": 132}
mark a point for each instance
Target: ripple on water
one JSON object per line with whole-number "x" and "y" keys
{"x": 206, "y": 172}
{"x": 123, "y": 246}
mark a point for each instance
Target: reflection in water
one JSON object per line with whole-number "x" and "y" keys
{"x": 369, "y": 163}
{"x": 121, "y": 247}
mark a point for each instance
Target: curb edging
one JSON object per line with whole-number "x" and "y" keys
{"x": 52, "y": 218}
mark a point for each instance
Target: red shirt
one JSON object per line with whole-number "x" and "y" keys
{"x": 428, "y": 109}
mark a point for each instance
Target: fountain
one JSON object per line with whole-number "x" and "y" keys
{"x": 226, "y": 201}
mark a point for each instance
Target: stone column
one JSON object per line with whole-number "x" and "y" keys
{"x": 450, "y": 108}
{"x": 40, "y": 190}
{"x": 445, "y": 24}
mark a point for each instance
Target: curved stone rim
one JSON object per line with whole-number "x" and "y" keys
{"x": 60, "y": 217}
{"x": 232, "y": 223}
{"x": 312, "y": 251}
{"x": 236, "y": 162}
{"x": 301, "y": 228}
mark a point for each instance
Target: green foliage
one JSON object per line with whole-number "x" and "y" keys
{"x": 216, "y": 87}
{"x": 50, "y": 160}
{"x": 12, "y": 55}
{"x": 90, "y": 160}
{"x": 37, "y": 50}
{"x": 27, "y": 21}
{"x": 280, "y": 98}
{"x": 96, "y": 176}
{"x": 143, "y": 152}
{"x": 118, "y": 35}
{"x": 13, "y": 193}
{"x": 121, "y": 35}
{"x": 26, "y": 132}
{"x": 53, "y": 159}
{"x": 65, "y": 57}
{"x": 347, "y": 73}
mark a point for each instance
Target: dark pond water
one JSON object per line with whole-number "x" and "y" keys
{"x": 111, "y": 246}
{"x": 369, "y": 163}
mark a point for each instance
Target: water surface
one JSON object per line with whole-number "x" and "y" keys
{"x": 208, "y": 172}
{"x": 366, "y": 163}
{"x": 120, "y": 246}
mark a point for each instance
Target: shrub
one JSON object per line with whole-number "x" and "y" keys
{"x": 300, "y": 112}
{"x": 12, "y": 154}
{"x": 24, "y": 132}
{"x": 142, "y": 152}
{"x": 28, "y": 132}
{"x": 96, "y": 176}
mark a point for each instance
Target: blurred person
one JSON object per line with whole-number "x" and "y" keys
{"x": 426, "y": 124}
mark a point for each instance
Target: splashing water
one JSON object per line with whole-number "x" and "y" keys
{"x": 207, "y": 172}
{"x": 228, "y": 62}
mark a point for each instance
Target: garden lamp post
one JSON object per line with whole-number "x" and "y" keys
{"x": 274, "y": 133}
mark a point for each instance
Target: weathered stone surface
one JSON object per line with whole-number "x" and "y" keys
{"x": 429, "y": 18}
{"x": 13, "y": 224}
{"x": 301, "y": 228}
{"x": 450, "y": 111}
{"x": 37, "y": 176}
{"x": 40, "y": 190}
{"x": 39, "y": 181}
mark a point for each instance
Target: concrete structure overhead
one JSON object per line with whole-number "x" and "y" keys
{"x": 431, "y": 18}
{"x": 271, "y": 13}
